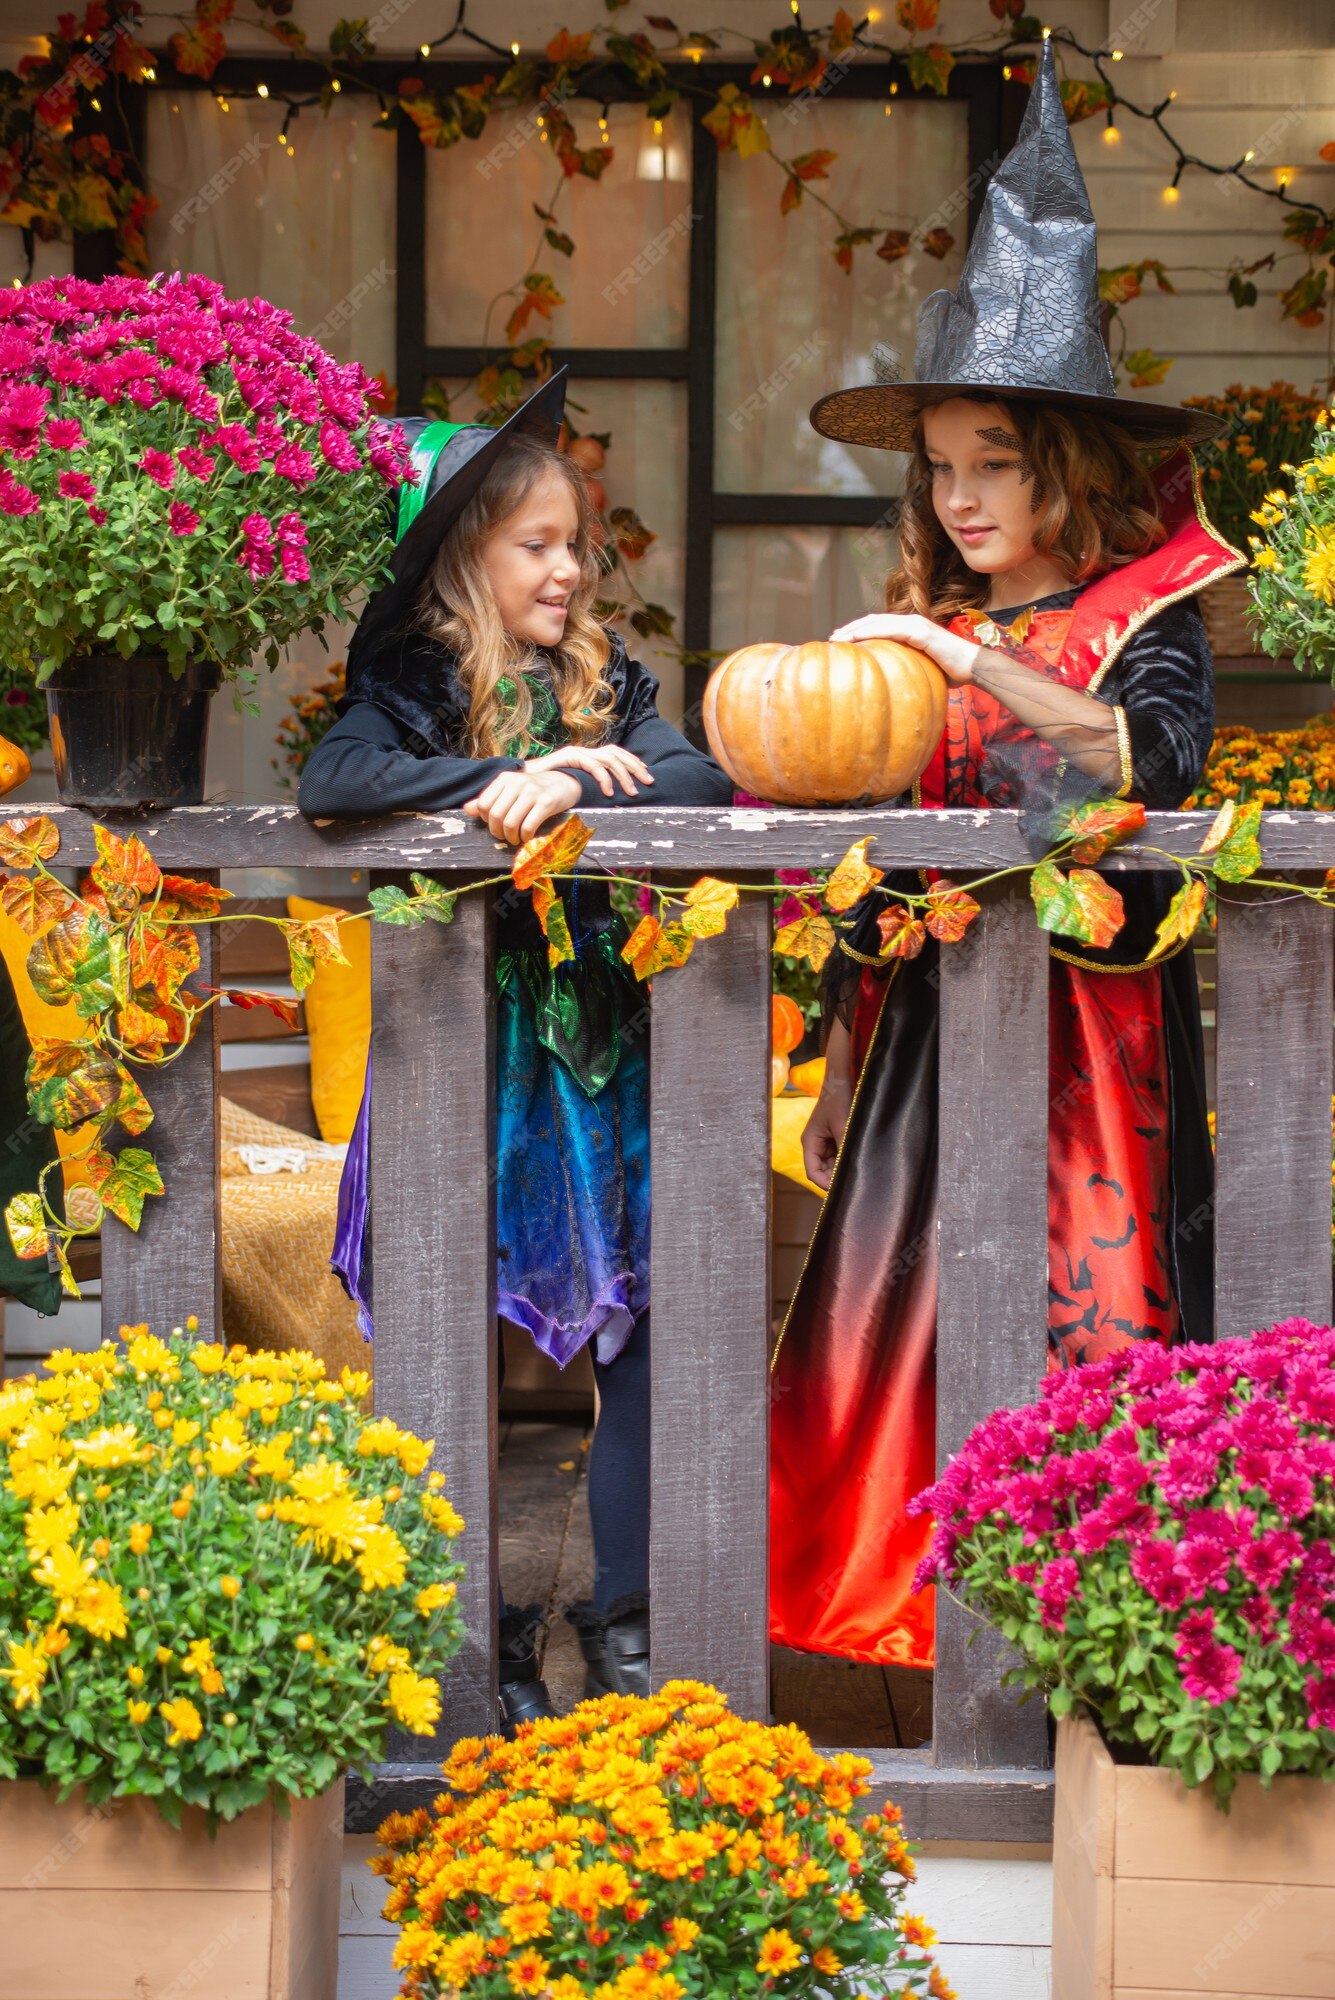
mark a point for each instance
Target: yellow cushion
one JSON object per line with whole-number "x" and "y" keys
{"x": 63, "y": 1024}
{"x": 338, "y": 1020}
{"x": 789, "y": 1113}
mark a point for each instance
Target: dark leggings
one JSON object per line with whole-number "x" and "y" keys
{"x": 619, "y": 1471}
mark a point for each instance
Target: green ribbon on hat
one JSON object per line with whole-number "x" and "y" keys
{"x": 426, "y": 449}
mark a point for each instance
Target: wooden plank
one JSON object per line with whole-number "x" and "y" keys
{"x": 1007, "y": 1807}
{"x": 724, "y": 839}
{"x": 1213, "y": 1937}
{"x": 1280, "y": 1837}
{"x": 170, "y": 1266}
{"x": 123, "y": 1843}
{"x": 836, "y": 1701}
{"x": 1273, "y": 1093}
{"x": 709, "y": 1534}
{"x": 153, "y": 1944}
{"x": 433, "y": 1006}
{"x": 1083, "y": 1851}
{"x": 307, "y": 1876}
{"x": 992, "y": 1181}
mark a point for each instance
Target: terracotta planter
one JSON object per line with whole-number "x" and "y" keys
{"x": 1158, "y": 1895}
{"x": 111, "y": 1903}
{"x": 126, "y": 734}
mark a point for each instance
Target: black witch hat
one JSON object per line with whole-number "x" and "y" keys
{"x": 1024, "y": 321}
{"x": 453, "y": 460}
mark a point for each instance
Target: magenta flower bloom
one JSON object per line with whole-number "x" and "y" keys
{"x": 15, "y": 497}
{"x": 160, "y": 467}
{"x": 76, "y": 485}
{"x": 295, "y": 566}
{"x": 292, "y": 531}
{"x": 196, "y": 462}
{"x": 239, "y": 445}
{"x": 64, "y": 433}
{"x": 338, "y": 449}
{"x": 295, "y": 464}
{"x": 96, "y": 514}
{"x": 182, "y": 520}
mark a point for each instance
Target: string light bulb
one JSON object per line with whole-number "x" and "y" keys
{"x": 1283, "y": 175}
{"x": 1006, "y": 72}
{"x": 514, "y": 48}
{"x": 261, "y": 90}
{"x": 1111, "y": 135}
{"x": 335, "y": 85}
{"x": 223, "y": 104}
{"x": 150, "y": 74}
{"x": 96, "y": 103}
{"x": 658, "y": 126}
{"x": 1249, "y": 155}
{"x": 767, "y": 79}
{"x": 1047, "y": 34}
{"x": 1117, "y": 54}
{"x": 1170, "y": 193}
{"x": 894, "y": 90}
{"x": 424, "y": 50}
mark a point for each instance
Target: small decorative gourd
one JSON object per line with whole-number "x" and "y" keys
{"x": 825, "y": 722}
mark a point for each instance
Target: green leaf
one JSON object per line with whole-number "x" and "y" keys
{"x": 436, "y": 901}
{"x": 125, "y": 1181}
{"x": 393, "y": 905}
{"x": 1239, "y": 853}
{"x": 1081, "y": 905}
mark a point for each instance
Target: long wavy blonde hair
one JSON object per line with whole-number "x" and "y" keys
{"x": 1095, "y": 508}
{"x": 456, "y": 605}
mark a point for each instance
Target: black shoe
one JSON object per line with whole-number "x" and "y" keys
{"x": 615, "y": 1645}
{"x": 524, "y": 1696}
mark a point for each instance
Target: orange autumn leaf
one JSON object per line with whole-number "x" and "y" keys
{"x": 1081, "y": 905}
{"x": 550, "y": 912}
{"x": 124, "y": 871}
{"x": 25, "y": 842}
{"x": 1181, "y": 917}
{"x": 35, "y": 902}
{"x": 950, "y": 911}
{"x": 551, "y": 853}
{"x": 160, "y": 960}
{"x": 902, "y": 934}
{"x": 183, "y": 896}
{"x": 852, "y": 878}
{"x": 810, "y": 936}
{"x": 707, "y": 904}
{"x": 139, "y": 1027}
{"x": 247, "y": 997}
{"x": 1101, "y": 823}
{"x": 653, "y": 947}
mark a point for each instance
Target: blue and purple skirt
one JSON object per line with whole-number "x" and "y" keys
{"x": 572, "y": 1145}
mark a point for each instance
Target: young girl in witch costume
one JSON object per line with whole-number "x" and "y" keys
{"x": 1050, "y": 573}
{"x": 480, "y": 678}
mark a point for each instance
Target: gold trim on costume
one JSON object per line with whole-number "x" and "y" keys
{"x": 1123, "y": 752}
{"x": 838, "y": 1161}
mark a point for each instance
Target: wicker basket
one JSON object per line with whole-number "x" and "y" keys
{"x": 1227, "y": 609}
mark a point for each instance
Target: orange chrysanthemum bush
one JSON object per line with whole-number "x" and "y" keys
{"x": 652, "y": 1849}
{"x": 219, "y": 1579}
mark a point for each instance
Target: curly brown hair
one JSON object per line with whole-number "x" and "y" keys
{"x": 1095, "y": 506}
{"x": 456, "y": 606}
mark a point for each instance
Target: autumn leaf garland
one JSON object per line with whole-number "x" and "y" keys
{"x": 123, "y": 948}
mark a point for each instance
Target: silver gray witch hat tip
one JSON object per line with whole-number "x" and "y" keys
{"x": 1025, "y": 318}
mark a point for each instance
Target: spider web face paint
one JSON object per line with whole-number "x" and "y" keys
{"x": 1007, "y": 440}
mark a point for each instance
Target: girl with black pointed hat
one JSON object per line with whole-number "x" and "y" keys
{"x": 479, "y": 678}
{"x": 1051, "y": 572}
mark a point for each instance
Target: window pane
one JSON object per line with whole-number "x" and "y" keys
{"x": 646, "y": 470}
{"x": 792, "y": 325}
{"x": 313, "y": 233}
{"x": 796, "y": 583}
{"x": 626, "y": 284}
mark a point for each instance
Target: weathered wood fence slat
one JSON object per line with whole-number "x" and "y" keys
{"x": 434, "y": 1170}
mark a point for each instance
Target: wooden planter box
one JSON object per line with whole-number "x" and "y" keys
{"x": 1157, "y": 1895}
{"x": 110, "y": 1903}
{"x": 1228, "y": 612}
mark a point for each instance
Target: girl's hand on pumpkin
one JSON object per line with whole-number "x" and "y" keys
{"x": 604, "y": 761}
{"x": 955, "y": 656}
{"x": 517, "y": 804}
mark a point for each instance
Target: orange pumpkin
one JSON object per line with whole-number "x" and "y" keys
{"x": 14, "y": 765}
{"x": 825, "y": 722}
{"x": 789, "y": 1026}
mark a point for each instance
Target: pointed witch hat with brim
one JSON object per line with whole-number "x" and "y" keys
{"x": 453, "y": 460}
{"x": 1024, "y": 321}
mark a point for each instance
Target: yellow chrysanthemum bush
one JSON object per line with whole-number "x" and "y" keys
{"x": 220, "y": 1580}
{"x": 1293, "y": 559}
{"x": 652, "y": 1849}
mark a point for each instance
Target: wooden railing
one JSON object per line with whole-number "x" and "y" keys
{"x": 985, "y": 1776}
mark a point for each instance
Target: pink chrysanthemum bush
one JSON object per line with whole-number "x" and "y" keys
{"x": 180, "y": 472}
{"x": 1155, "y": 1536}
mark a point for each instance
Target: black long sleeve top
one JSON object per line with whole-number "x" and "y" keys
{"x": 396, "y": 748}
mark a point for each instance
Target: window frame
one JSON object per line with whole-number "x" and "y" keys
{"x": 991, "y": 116}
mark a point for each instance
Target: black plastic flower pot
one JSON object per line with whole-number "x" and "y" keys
{"x": 126, "y": 734}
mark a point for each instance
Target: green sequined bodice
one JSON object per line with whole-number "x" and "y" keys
{"x": 545, "y": 730}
